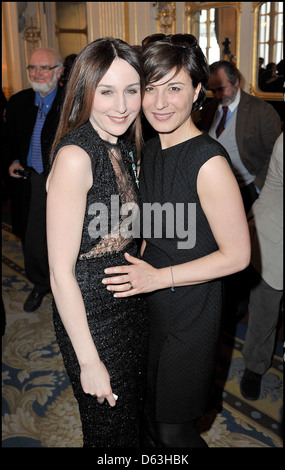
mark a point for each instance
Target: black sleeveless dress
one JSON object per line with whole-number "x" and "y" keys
{"x": 184, "y": 324}
{"x": 119, "y": 327}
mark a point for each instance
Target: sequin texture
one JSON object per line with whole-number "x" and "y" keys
{"x": 119, "y": 327}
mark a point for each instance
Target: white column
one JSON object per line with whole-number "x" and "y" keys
{"x": 11, "y": 58}
{"x": 246, "y": 44}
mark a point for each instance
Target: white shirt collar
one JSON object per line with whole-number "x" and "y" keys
{"x": 234, "y": 104}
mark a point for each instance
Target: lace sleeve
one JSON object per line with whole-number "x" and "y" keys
{"x": 122, "y": 233}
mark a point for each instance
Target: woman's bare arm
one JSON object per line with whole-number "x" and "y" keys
{"x": 222, "y": 204}
{"x": 67, "y": 187}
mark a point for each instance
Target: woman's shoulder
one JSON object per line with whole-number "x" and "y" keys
{"x": 79, "y": 135}
{"x": 199, "y": 150}
{"x": 81, "y": 140}
{"x": 83, "y": 136}
{"x": 206, "y": 147}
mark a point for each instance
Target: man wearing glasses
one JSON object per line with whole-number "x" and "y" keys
{"x": 31, "y": 120}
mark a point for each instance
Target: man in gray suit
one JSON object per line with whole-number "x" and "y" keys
{"x": 266, "y": 229}
{"x": 250, "y": 129}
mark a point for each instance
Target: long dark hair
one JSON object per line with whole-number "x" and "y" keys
{"x": 88, "y": 70}
{"x": 161, "y": 54}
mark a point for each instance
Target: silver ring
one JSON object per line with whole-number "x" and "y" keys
{"x": 130, "y": 286}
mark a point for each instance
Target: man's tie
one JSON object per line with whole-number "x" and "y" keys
{"x": 222, "y": 122}
{"x": 36, "y": 158}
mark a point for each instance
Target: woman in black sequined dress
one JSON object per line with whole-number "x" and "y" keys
{"x": 198, "y": 235}
{"x": 102, "y": 339}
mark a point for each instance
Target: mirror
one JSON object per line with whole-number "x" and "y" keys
{"x": 217, "y": 28}
{"x": 71, "y": 27}
{"x": 267, "y": 71}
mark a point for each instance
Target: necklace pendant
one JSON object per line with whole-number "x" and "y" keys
{"x": 134, "y": 168}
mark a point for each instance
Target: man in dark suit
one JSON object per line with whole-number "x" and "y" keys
{"x": 32, "y": 117}
{"x": 250, "y": 129}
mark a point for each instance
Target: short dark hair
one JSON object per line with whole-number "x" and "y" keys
{"x": 161, "y": 54}
{"x": 232, "y": 73}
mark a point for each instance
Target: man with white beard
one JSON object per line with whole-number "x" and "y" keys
{"x": 31, "y": 121}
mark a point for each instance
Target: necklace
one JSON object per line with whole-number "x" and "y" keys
{"x": 134, "y": 168}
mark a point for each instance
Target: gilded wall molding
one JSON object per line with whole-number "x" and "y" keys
{"x": 166, "y": 17}
{"x": 32, "y": 33}
{"x": 190, "y": 7}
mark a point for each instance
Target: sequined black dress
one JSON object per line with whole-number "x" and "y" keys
{"x": 119, "y": 327}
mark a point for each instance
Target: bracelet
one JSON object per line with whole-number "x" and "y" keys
{"x": 172, "y": 288}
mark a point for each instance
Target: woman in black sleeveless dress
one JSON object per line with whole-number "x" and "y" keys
{"x": 103, "y": 340}
{"x": 198, "y": 234}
